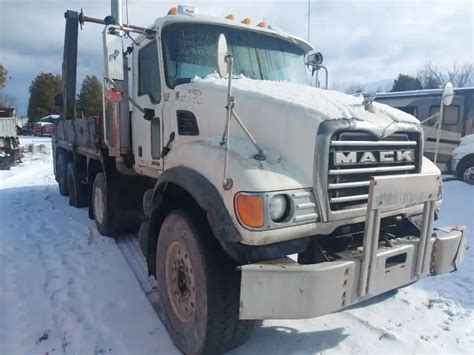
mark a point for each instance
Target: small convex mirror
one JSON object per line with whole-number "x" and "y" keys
{"x": 222, "y": 53}
{"x": 448, "y": 94}
{"x": 315, "y": 59}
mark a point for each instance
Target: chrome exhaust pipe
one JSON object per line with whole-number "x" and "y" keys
{"x": 116, "y": 7}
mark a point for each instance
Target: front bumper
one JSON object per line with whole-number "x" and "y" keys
{"x": 284, "y": 289}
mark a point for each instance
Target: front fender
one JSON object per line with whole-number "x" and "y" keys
{"x": 204, "y": 194}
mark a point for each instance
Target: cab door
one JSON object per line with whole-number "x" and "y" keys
{"x": 147, "y": 93}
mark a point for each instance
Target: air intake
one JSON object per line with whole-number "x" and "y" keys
{"x": 187, "y": 123}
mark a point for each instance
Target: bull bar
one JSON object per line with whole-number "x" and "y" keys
{"x": 284, "y": 289}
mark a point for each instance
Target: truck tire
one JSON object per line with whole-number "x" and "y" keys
{"x": 199, "y": 288}
{"x": 103, "y": 208}
{"x": 5, "y": 163}
{"x": 77, "y": 190}
{"x": 61, "y": 171}
{"x": 465, "y": 170}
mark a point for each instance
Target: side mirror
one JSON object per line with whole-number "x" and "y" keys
{"x": 448, "y": 94}
{"x": 315, "y": 59}
{"x": 222, "y": 53}
{"x": 58, "y": 100}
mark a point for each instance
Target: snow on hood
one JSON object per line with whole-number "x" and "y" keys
{"x": 326, "y": 104}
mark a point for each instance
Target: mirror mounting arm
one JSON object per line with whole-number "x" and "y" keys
{"x": 225, "y": 66}
{"x": 446, "y": 100}
{"x": 148, "y": 113}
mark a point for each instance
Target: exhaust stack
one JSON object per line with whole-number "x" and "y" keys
{"x": 116, "y": 7}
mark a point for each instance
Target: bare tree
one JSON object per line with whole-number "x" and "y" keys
{"x": 354, "y": 88}
{"x": 7, "y": 100}
{"x": 433, "y": 76}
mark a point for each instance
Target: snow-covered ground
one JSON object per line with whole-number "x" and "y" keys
{"x": 59, "y": 277}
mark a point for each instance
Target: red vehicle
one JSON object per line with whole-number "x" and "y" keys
{"x": 42, "y": 129}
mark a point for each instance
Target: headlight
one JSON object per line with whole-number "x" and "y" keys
{"x": 275, "y": 209}
{"x": 278, "y": 208}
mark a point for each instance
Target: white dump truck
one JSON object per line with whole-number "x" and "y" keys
{"x": 212, "y": 144}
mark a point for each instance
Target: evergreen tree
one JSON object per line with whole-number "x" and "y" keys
{"x": 406, "y": 82}
{"x": 89, "y": 100}
{"x": 42, "y": 90}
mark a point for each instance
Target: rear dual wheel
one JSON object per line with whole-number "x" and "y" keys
{"x": 103, "y": 207}
{"x": 77, "y": 190}
{"x": 61, "y": 174}
{"x": 199, "y": 287}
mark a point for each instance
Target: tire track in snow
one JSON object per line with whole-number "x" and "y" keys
{"x": 128, "y": 245}
{"x": 61, "y": 275}
{"x": 68, "y": 293}
{"x": 64, "y": 272}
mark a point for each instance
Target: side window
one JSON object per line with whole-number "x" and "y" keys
{"x": 149, "y": 82}
{"x": 451, "y": 114}
{"x": 412, "y": 110}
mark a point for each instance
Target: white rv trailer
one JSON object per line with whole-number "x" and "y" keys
{"x": 458, "y": 120}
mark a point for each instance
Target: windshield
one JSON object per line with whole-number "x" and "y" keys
{"x": 191, "y": 50}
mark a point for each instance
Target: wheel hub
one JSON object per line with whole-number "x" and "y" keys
{"x": 180, "y": 282}
{"x": 469, "y": 175}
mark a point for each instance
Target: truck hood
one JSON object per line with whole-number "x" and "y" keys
{"x": 317, "y": 103}
{"x": 285, "y": 119}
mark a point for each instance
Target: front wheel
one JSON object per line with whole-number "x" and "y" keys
{"x": 466, "y": 170}
{"x": 199, "y": 288}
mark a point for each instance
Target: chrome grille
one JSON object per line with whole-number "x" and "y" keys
{"x": 348, "y": 183}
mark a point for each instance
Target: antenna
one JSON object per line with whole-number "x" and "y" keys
{"x": 309, "y": 20}
{"x": 126, "y": 11}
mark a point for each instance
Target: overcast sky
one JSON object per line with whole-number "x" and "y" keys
{"x": 362, "y": 41}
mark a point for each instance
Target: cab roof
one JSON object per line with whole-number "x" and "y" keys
{"x": 205, "y": 19}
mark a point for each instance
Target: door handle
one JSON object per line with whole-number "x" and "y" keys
{"x": 166, "y": 148}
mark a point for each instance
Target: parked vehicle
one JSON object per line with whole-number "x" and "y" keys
{"x": 228, "y": 162}
{"x": 458, "y": 120}
{"x": 42, "y": 129}
{"x": 462, "y": 160}
{"x": 49, "y": 119}
{"x": 10, "y": 152}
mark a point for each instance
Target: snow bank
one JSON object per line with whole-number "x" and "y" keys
{"x": 63, "y": 287}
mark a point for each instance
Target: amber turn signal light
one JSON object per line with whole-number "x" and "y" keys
{"x": 250, "y": 209}
{"x": 173, "y": 11}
